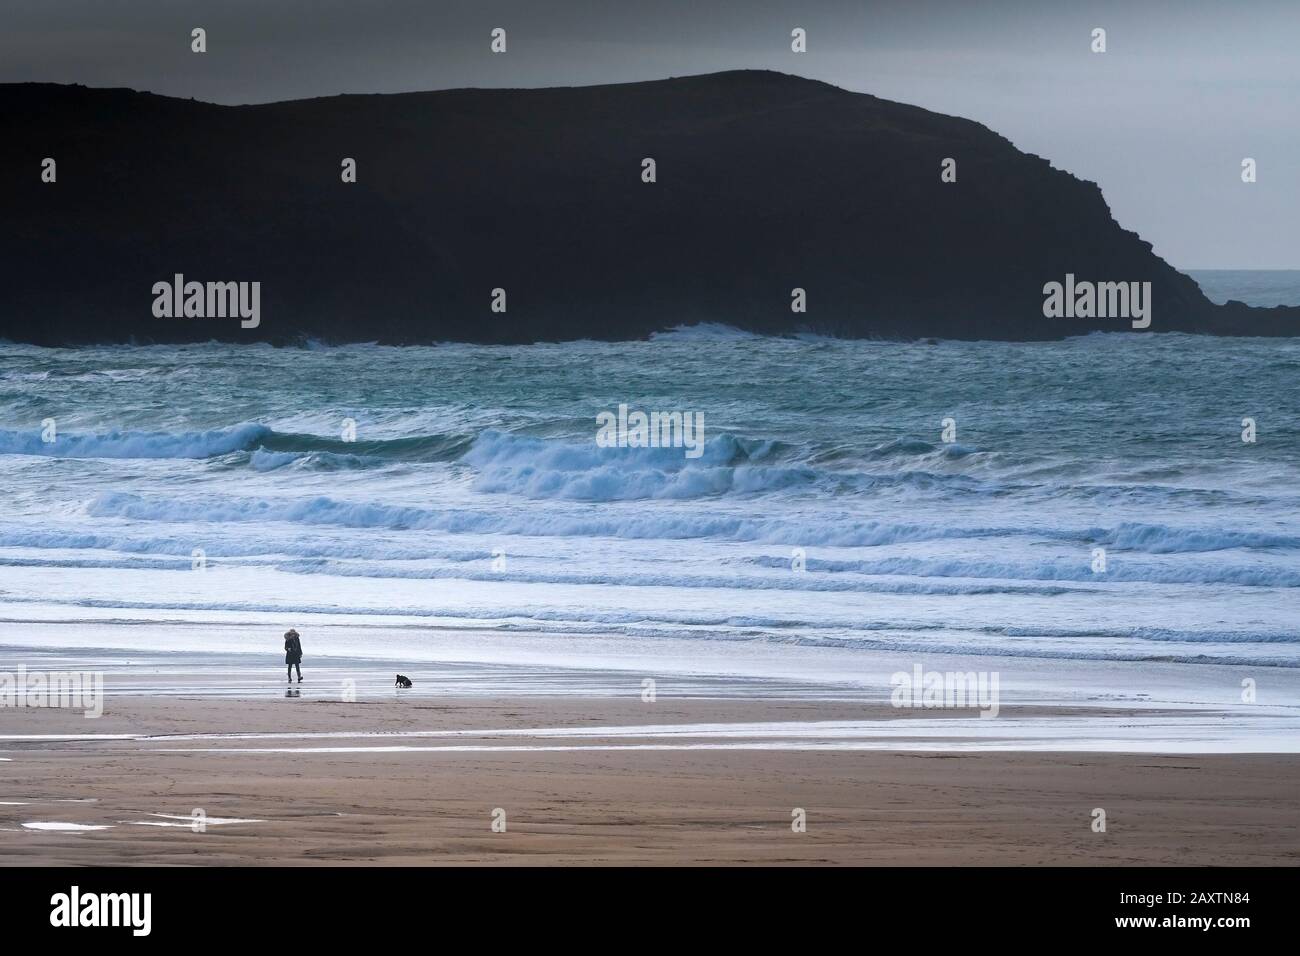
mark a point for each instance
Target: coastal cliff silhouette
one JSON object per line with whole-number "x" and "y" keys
{"x": 765, "y": 183}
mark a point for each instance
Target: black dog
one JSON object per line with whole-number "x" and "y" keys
{"x": 402, "y": 681}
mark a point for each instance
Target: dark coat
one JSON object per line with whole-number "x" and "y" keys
{"x": 292, "y": 650}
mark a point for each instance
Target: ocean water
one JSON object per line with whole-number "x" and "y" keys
{"x": 1261, "y": 287}
{"x": 826, "y": 510}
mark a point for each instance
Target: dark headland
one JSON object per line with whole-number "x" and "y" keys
{"x": 765, "y": 182}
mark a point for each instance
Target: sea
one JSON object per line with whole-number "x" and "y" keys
{"x": 1130, "y": 500}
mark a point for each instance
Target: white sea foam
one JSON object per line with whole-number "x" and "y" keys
{"x": 117, "y": 444}
{"x": 826, "y": 514}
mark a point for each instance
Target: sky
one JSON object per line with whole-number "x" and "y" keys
{"x": 1162, "y": 120}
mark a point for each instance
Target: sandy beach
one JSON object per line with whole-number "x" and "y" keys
{"x": 416, "y": 780}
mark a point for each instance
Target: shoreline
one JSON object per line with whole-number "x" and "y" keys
{"x": 852, "y": 699}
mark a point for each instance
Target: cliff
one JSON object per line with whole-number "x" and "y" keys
{"x": 765, "y": 182}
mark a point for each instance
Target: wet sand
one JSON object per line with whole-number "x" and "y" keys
{"x": 416, "y": 780}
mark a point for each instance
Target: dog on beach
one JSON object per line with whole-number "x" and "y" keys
{"x": 402, "y": 681}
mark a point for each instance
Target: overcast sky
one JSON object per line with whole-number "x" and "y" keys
{"x": 1162, "y": 120}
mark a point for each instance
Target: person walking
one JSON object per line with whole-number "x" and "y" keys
{"x": 293, "y": 653}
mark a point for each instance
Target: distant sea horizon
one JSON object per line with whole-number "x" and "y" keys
{"x": 1259, "y": 287}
